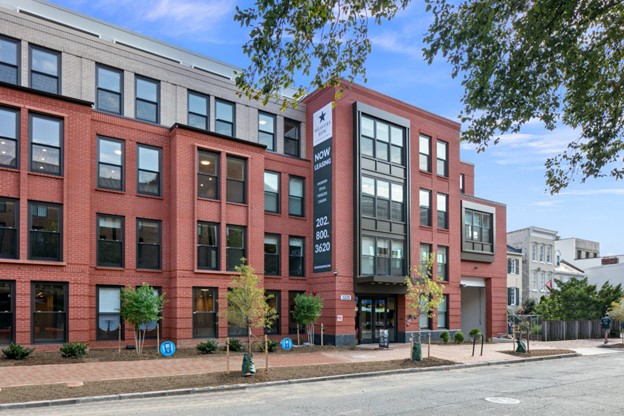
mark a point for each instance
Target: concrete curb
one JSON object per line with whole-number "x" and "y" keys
{"x": 233, "y": 387}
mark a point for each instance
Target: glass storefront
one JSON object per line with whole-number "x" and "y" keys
{"x": 374, "y": 313}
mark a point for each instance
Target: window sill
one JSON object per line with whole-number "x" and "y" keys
{"x": 111, "y": 191}
{"x": 149, "y": 270}
{"x": 240, "y": 204}
{"x": 219, "y": 272}
{"x": 297, "y": 277}
{"x": 424, "y": 172}
{"x": 46, "y": 175}
{"x": 428, "y": 227}
{"x": 37, "y": 262}
{"x": 110, "y": 268}
{"x": 275, "y": 214}
{"x": 445, "y": 178}
{"x": 10, "y": 169}
{"x": 297, "y": 217}
{"x": 157, "y": 197}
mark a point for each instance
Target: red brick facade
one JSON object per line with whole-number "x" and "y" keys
{"x": 179, "y": 209}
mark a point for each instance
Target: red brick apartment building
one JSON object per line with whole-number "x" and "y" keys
{"x": 124, "y": 160}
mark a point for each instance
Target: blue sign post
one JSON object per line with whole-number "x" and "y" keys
{"x": 286, "y": 344}
{"x": 167, "y": 349}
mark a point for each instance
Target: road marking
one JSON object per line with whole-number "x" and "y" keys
{"x": 502, "y": 400}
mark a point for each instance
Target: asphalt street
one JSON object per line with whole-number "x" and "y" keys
{"x": 587, "y": 385}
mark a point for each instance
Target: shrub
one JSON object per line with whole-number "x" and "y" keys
{"x": 236, "y": 345}
{"x": 459, "y": 337}
{"x": 16, "y": 352}
{"x": 445, "y": 336}
{"x": 271, "y": 345}
{"x": 474, "y": 332}
{"x": 74, "y": 350}
{"x": 207, "y": 347}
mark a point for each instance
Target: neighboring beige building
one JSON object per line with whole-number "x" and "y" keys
{"x": 585, "y": 255}
{"x": 514, "y": 278}
{"x": 538, "y": 255}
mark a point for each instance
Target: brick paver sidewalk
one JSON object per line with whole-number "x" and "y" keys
{"x": 82, "y": 372}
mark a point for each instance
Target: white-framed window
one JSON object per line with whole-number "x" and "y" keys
{"x": 513, "y": 266}
{"x": 513, "y": 296}
{"x": 534, "y": 252}
{"x": 541, "y": 253}
{"x": 534, "y": 282}
{"x": 549, "y": 254}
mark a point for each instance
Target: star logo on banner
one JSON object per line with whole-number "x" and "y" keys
{"x": 322, "y": 116}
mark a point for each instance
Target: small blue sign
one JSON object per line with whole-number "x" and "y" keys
{"x": 167, "y": 348}
{"x": 286, "y": 344}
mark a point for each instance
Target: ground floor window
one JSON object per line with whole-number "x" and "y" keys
{"x": 153, "y": 327}
{"x": 443, "y": 313}
{"x": 274, "y": 302}
{"x": 109, "y": 323}
{"x": 49, "y": 312}
{"x": 205, "y": 312}
{"x": 7, "y": 315}
{"x": 292, "y": 324}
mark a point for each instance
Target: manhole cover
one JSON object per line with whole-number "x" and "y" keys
{"x": 502, "y": 400}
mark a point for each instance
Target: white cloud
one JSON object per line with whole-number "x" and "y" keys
{"x": 584, "y": 192}
{"x": 552, "y": 203}
{"x": 193, "y": 15}
{"x": 396, "y": 43}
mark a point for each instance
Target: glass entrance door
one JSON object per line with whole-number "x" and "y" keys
{"x": 375, "y": 314}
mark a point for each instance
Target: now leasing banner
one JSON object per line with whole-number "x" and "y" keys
{"x": 322, "y": 140}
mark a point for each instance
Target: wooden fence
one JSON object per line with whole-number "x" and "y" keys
{"x": 565, "y": 330}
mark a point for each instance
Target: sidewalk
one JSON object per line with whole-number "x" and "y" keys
{"x": 98, "y": 371}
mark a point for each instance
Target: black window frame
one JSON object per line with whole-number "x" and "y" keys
{"x": 386, "y": 264}
{"x": 44, "y": 146}
{"x": 200, "y": 116}
{"x": 445, "y": 302}
{"x": 442, "y": 162}
{"x": 442, "y": 266}
{"x": 219, "y": 122}
{"x": 208, "y": 248}
{"x": 31, "y": 71}
{"x": 230, "y": 251}
{"x": 442, "y": 214}
{"x": 292, "y": 323}
{"x": 266, "y": 136}
{"x": 232, "y": 183}
{"x": 34, "y": 312}
{"x": 269, "y": 194}
{"x": 15, "y": 140}
{"x": 211, "y": 314}
{"x": 7, "y": 312}
{"x": 424, "y": 157}
{"x": 207, "y": 178}
{"x": 12, "y": 67}
{"x": 138, "y": 100}
{"x": 292, "y": 198}
{"x": 101, "y": 89}
{"x": 50, "y": 233}
{"x": 276, "y": 326}
{"x": 103, "y": 241}
{"x": 98, "y": 314}
{"x": 12, "y": 250}
{"x": 293, "y": 258}
{"x": 141, "y": 244}
{"x": 383, "y": 141}
{"x": 272, "y": 257}
{"x": 142, "y": 186}
{"x": 100, "y": 180}
{"x": 292, "y": 137}
{"x": 462, "y": 183}
{"x": 425, "y": 210}
{"x": 470, "y": 243}
{"x": 424, "y": 252}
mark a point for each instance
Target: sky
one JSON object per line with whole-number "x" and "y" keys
{"x": 511, "y": 172}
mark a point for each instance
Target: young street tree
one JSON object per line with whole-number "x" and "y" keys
{"x": 307, "y": 311}
{"x": 424, "y": 291}
{"x": 141, "y": 307}
{"x": 559, "y": 62}
{"x": 247, "y": 304}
